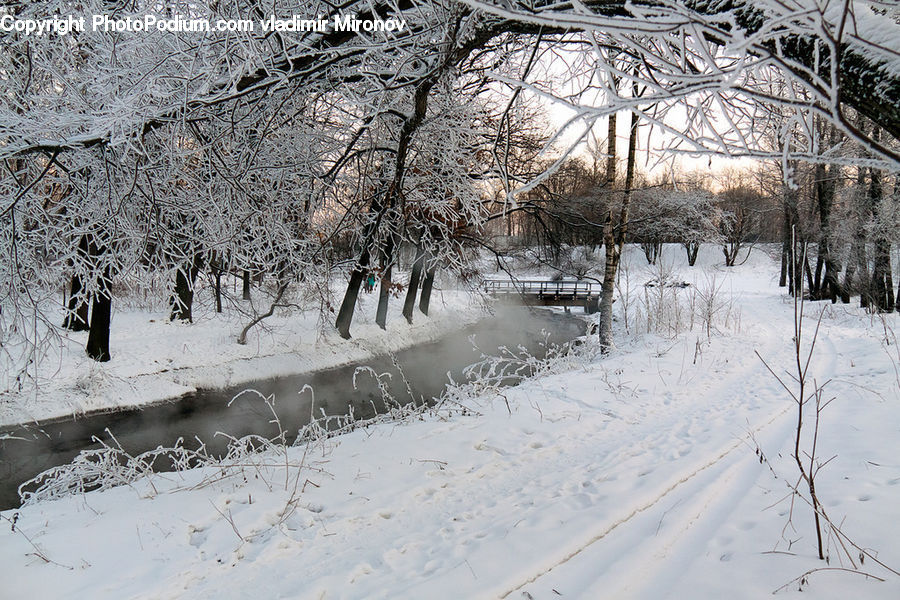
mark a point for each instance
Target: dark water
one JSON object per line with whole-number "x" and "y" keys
{"x": 202, "y": 414}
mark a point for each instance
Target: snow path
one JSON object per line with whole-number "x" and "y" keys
{"x": 688, "y": 512}
{"x": 695, "y": 505}
{"x": 627, "y": 477}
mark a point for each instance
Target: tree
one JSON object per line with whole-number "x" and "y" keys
{"x": 668, "y": 214}
{"x": 614, "y": 242}
{"x": 741, "y": 206}
{"x": 882, "y": 286}
{"x": 284, "y": 130}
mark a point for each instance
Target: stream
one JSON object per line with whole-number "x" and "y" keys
{"x": 31, "y": 449}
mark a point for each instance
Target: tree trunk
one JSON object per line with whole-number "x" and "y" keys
{"x": 831, "y": 286}
{"x": 865, "y": 285}
{"x": 692, "y": 249}
{"x": 851, "y": 272}
{"x": 785, "y": 257}
{"x": 805, "y": 265}
{"x": 731, "y": 251}
{"x": 218, "y": 290}
{"x": 611, "y": 152}
{"x": 826, "y": 285}
{"x": 216, "y": 267}
{"x": 348, "y": 305}
{"x": 182, "y": 300}
{"x": 384, "y": 290}
{"x": 795, "y": 283}
{"x": 101, "y": 313}
{"x": 608, "y": 287}
{"x": 78, "y": 307}
{"x": 384, "y": 296}
{"x": 614, "y": 240}
{"x": 652, "y": 251}
{"x": 792, "y": 273}
{"x": 786, "y": 233}
{"x": 857, "y": 258}
{"x": 882, "y": 283}
{"x": 815, "y": 286}
{"x": 245, "y": 288}
{"x": 413, "y": 288}
{"x": 427, "y": 285}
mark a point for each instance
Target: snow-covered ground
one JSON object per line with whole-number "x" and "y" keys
{"x": 637, "y": 475}
{"x": 155, "y": 359}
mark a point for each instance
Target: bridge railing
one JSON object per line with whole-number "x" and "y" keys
{"x": 575, "y": 289}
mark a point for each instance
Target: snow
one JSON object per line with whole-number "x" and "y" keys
{"x": 629, "y": 476}
{"x": 154, "y": 359}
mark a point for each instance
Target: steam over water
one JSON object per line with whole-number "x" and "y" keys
{"x": 202, "y": 414}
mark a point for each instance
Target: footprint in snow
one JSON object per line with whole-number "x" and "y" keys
{"x": 360, "y": 571}
{"x": 579, "y": 501}
{"x": 484, "y": 446}
{"x": 426, "y": 494}
{"x": 197, "y": 536}
{"x": 430, "y": 567}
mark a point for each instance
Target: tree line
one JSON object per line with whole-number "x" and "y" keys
{"x": 149, "y": 161}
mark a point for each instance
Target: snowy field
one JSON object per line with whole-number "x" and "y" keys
{"x": 155, "y": 359}
{"x": 661, "y": 471}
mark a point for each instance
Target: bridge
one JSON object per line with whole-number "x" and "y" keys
{"x": 535, "y": 292}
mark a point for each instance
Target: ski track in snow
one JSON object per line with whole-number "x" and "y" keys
{"x": 691, "y": 507}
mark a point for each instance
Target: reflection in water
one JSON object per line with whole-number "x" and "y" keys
{"x": 202, "y": 415}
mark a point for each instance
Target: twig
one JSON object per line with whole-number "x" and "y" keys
{"x": 803, "y": 579}
{"x": 37, "y": 550}
{"x": 228, "y": 518}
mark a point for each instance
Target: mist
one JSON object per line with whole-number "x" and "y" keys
{"x": 418, "y": 374}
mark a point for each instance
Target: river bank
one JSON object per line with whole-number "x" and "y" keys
{"x": 155, "y": 360}
{"x": 277, "y": 408}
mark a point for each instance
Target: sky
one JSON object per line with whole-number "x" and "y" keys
{"x": 562, "y": 74}
{"x": 654, "y": 163}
